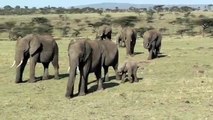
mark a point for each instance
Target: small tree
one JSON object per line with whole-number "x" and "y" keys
{"x": 150, "y": 14}
{"x": 126, "y": 21}
{"x": 206, "y": 24}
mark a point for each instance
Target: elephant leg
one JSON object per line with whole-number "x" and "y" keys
{"x": 132, "y": 47}
{"x": 33, "y": 61}
{"x": 84, "y": 73}
{"x": 130, "y": 76}
{"x": 152, "y": 51}
{"x": 128, "y": 51}
{"x": 135, "y": 78}
{"x": 99, "y": 80}
{"x": 157, "y": 51}
{"x": 150, "y": 54}
{"x": 70, "y": 85}
{"x": 115, "y": 67}
{"x": 46, "y": 73}
{"x": 106, "y": 75}
{"x": 123, "y": 77}
{"x": 82, "y": 85}
{"x": 56, "y": 66}
{"x": 19, "y": 71}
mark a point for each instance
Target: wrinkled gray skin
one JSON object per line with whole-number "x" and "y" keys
{"x": 104, "y": 32}
{"x": 86, "y": 55}
{"x": 39, "y": 49}
{"x": 127, "y": 37}
{"x": 152, "y": 42}
{"x": 89, "y": 56}
{"x": 110, "y": 57}
{"x": 130, "y": 68}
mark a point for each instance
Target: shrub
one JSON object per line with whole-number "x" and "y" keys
{"x": 126, "y": 21}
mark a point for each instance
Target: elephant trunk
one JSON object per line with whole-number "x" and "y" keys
{"x": 19, "y": 65}
{"x": 71, "y": 80}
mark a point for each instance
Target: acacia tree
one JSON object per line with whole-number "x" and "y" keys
{"x": 206, "y": 25}
{"x": 126, "y": 21}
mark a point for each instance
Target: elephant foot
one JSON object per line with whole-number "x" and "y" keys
{"x": 100, "y": 89}
{"x": 56, "y": 77}
{"x": 136, "y": 81}
{"x": 132, "y": 55}
{"x": 68, "y": 96}
{"x": 149, "y": 58}
{"x": 123, "y": 81}
{"x": 44, "y": 78}
{"x": 18, "y": 81}
{"x": 32, "y": 81}
{"x": 81, "y": 94}
{"x": 106, "y": 79}
{"x": 130, "y": 81}
{"x": 118, "y": 77}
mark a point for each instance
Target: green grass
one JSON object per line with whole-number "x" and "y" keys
{"x": 178, "y": 86}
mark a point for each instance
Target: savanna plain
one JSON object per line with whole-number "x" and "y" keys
{"x": 177, "y": 85}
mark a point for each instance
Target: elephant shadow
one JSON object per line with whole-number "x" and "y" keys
{"x": 110, "y": 78}
{"x": 61, "y": 76}
{"x": 105, "y": 85}
{"x": 137, "y": 53}
{"x": 161, "y": 55}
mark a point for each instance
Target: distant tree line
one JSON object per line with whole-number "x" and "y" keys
{"x": 8, "y": 10}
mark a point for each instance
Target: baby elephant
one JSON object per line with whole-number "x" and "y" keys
{"x": 129, "y": 67}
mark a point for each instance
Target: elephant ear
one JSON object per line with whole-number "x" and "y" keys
{"x": 87, "y": 51}
{"x": 35, "y": 45}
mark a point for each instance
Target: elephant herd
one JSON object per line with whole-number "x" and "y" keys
{"x": 88, "y": 56}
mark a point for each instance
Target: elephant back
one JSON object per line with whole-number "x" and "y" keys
{"x": 149, "y": 37}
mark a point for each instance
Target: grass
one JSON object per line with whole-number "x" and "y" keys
{"x": 177, "y": 86}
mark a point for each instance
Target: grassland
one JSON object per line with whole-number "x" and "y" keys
{"x": 177, "y": 85}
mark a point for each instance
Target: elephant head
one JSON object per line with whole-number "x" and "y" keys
{"x": 104, "y": 32}
{"x": 25, "y": 47}
{"x": 79, "y": 55}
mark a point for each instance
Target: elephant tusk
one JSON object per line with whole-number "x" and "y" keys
{"x": 68, "y": 69}
{"x": 19, "y": 64}
{"x": 14, "y": 62}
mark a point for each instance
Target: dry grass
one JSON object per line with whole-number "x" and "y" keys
{"x": 177, "y": 85}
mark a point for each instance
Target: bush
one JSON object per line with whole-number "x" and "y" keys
{"x": 38, "y": 25}
{"x": 127, "y": 21}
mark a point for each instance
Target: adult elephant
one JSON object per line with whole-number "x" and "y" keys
{"x": 86, "y": 55}
{"x": 104, "y": 32}
{"x": 120, "y": 41}
{"x": 128, "y": 35}
{"x": 152, "y": 42}
{"x": 39, "y": 49}
{"x": 109, "y": 57}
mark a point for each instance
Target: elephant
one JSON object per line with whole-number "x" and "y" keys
{"x": 39, "y": 49}
{"x": 110, "y": 57}
{"x": 128, "y": 35}
{"x": 129, "y": 67}
{"x": 152, "y": 42}
{"x": 90, "y": 56}
{"x": 120, "y": 41}
{"x": 104, "y": 32}
{"x": 86, "y": 55}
